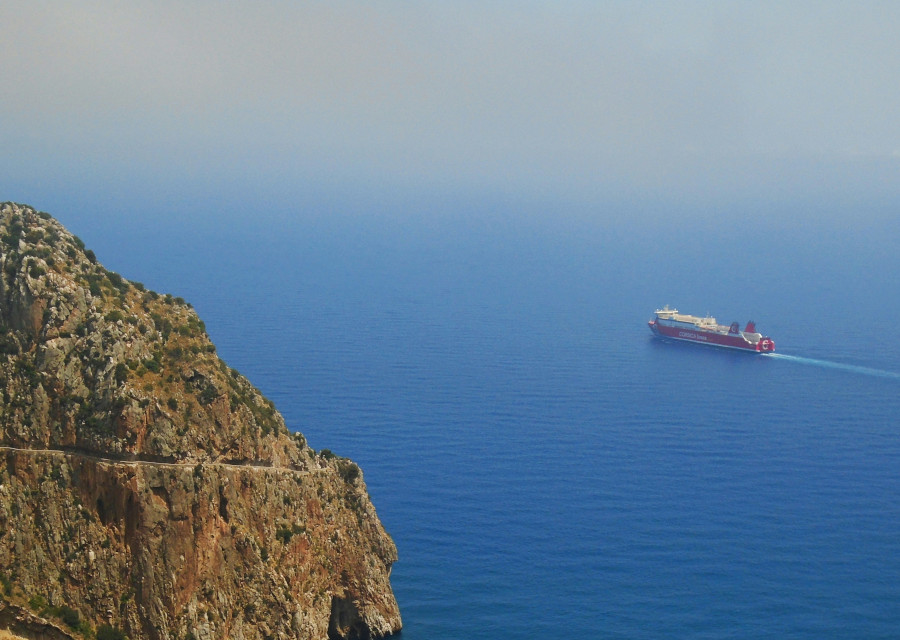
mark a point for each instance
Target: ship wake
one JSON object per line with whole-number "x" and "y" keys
{"x": 868, "y": 371}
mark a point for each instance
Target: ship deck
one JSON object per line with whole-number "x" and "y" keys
{"x": 706, "y": 324}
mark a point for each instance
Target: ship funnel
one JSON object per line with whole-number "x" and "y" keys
{"x": 735, "y": 328}
{"x": 751, "y": 327}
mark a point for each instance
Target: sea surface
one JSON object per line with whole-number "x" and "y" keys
{"x": 546, "y": 467}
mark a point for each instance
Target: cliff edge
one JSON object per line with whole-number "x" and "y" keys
{"x": 147, "y": 490}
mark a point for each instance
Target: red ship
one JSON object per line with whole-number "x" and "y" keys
{"x": 669, "y": 323}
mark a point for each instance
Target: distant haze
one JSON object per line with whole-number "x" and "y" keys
{"x": 693, "y": 103}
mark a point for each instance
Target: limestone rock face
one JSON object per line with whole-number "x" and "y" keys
{"x": 148, "y": 490}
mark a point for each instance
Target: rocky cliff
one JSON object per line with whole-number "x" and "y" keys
{"x": 149, "y": 491}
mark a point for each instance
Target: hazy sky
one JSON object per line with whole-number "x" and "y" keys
{"x": 583, "y": 101}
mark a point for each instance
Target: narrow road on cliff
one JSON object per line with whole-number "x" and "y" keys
{"x": 87, "y": 455}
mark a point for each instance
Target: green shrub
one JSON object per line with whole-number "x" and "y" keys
{"x": 163, "y": 325}
{"x": 117, "y": 281}
{"x": 37, "y": 603}
{"x": 7, "y": 584}
{"x": 284, "y": 534}
{"x": 349, "y": 471}
{"x": 106, "y": 632}
{"x": 8, "y": 344}
{"x": 114, "y": 316}
{"x": 69, "y": 616}
{"x": 13, "y": 235}
{"x": 208, "y": 394}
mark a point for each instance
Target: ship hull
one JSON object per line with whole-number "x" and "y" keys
{"x": 704, "y": 337}
{"x": 670, "y": 325}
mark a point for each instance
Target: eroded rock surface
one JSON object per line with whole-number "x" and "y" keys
{"x": 148, "y": 490}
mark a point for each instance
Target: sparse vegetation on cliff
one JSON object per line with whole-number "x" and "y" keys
{"x": 117, "y": 357}
{"x": 147, "y": 489}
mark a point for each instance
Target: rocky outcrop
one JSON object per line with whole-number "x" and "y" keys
{"x": 18, "y": 623}
{"x": 148, "y": 490}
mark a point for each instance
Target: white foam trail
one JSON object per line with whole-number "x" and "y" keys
{"x": 881, "y": 373}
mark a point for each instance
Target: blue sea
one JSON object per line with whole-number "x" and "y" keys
{"x": 545, "y": 466}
